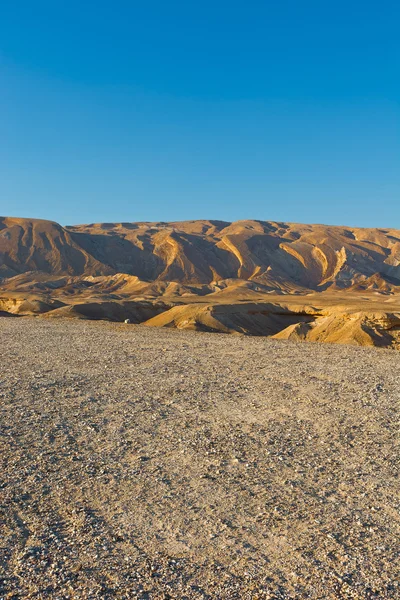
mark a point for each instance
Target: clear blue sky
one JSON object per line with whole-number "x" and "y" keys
{"x": 169, "y": 110}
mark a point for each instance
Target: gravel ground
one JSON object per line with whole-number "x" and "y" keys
{"x": 154, "y": 463}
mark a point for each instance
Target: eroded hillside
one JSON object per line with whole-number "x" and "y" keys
{"x": 283, "y": 256}
{"x": 303, "y": 282}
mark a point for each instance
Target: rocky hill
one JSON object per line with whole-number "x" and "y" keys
{"x": 290, "y": 281}
{"x": 280, "y": 256}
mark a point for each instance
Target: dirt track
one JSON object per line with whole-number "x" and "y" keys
{"x": 155, "y": 463}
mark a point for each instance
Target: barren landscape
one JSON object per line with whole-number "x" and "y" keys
{"x": 151, "y": 463}
{"x": 286, "y": 280}
{"x": 199, "y": 300}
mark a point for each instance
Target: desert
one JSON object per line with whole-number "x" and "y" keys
{"x": 154, "y": 463}
{"x": 199, "y": 300}
{"x": 166, "y": 434}
{"x": 291, "y": 281}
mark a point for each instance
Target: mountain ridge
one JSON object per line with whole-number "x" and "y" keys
{"x": 276, "y": 254}
{"x": 290, "y": 281}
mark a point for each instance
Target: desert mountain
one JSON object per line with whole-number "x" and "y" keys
{"x": 293, "y": 281}
{"x": 281, "y": 256}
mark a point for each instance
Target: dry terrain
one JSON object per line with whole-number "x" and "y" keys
{"x": 151, "y": 463}
{"x": 292, "y": 281}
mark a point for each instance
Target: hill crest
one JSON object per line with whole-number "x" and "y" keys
{"x": 288, "y": 257}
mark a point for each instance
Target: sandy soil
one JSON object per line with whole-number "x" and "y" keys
{"x": 157, "y": 463}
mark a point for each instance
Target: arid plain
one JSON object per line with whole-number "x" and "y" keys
{"x": 155, "y": 459}
{"x": 155, "y": 463}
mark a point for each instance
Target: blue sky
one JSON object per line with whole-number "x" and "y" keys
{"x": 126, "y": 110}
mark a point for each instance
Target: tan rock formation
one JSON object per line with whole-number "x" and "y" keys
{"x": 292, "y": 281}
{"x": 198, "y": 252}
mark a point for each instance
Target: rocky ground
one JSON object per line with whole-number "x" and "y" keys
{"x": 155, "y": 463}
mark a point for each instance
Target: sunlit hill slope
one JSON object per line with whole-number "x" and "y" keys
{"x": 254, "y": 277}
